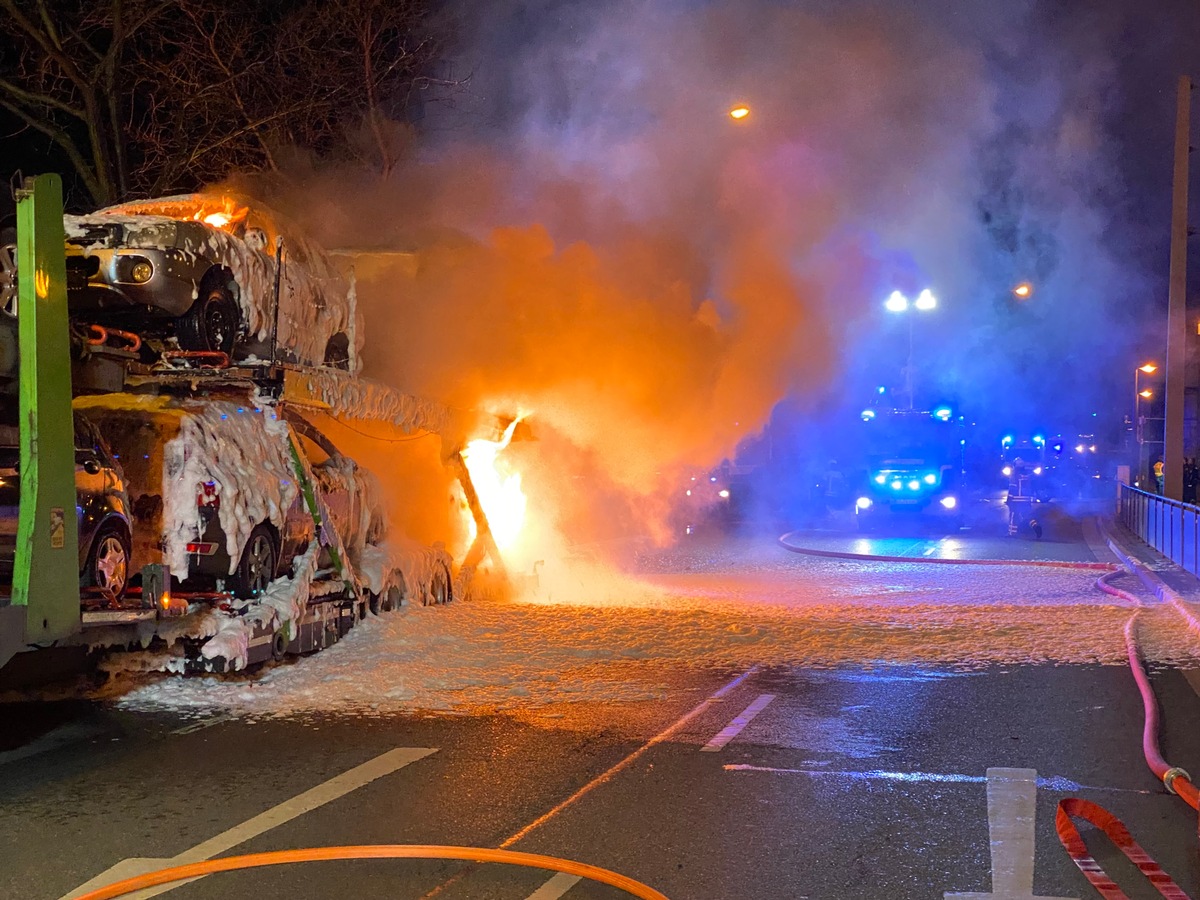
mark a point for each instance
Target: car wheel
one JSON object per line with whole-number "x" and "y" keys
{"x": 337, "y": 352}
{"x": 8, "y": 270}
{"x": 256, "y": 568}
{"x": 108, "y": 562}
{"x": 440, "y": 590}
{"x": 212, "y": 322}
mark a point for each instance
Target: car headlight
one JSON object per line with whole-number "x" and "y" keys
{"x": 949, "y": 502}
{"x": 863, "y": 503}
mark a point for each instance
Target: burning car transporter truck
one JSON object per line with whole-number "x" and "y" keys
{"x": 255, "y": 537}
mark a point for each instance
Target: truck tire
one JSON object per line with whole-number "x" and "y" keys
{"x": 212, "y": 322}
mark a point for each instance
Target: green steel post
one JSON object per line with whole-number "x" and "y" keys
{"x": 46, "y": 569}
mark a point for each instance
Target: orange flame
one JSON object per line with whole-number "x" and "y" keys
{"x": 229, "y": 214}
{"x": 498, "y": 486}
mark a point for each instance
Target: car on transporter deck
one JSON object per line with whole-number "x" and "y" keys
{"x": 214, "y": 493}
{"x": 102, "y": 512}
{"x": 203, "y": 270}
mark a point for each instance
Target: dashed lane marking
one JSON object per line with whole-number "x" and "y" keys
{"x": 734, "y": 728}
{"x": 555, "y": 887}
{"x": 1012, "y": 808}
{"x": 326, "y": 792}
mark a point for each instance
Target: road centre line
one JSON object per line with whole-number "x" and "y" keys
{"x": 603, "y": 777}
{"x": 277, "y": 815}
{"x": 555, "y": 887}
{"x": 734, "y": 728}
{"x": 714, "y": 698}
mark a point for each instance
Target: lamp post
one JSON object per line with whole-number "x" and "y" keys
{"x": 1138, "y": 395}
{"x": 898, "y": 303}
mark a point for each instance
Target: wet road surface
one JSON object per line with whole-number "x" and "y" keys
{"x": 764, "y": 780}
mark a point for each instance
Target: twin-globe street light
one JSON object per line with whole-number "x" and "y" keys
{"x": 898, "y": 303}
{"x": 1138, "y": 396}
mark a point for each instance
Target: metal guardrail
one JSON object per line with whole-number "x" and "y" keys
{"x": 1170, "y": 527}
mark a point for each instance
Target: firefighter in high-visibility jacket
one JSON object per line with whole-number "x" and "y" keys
{"x": 1020, "y": 499}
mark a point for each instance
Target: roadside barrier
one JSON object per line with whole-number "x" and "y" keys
{"x": 373, "y": 851}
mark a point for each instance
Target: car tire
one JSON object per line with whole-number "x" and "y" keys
{"x": 337, "y": 352}
{"x": 108, "y": 561}
{"x": 257, "y": 564}
{"x": 441, "y": 590}
{"x": 211, "y": 325}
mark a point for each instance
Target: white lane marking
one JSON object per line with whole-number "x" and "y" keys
{"x": 628, "y": 760}
{"x": 734, "y": 728}
{"x": 555, "y": 887}
{"x": 203, "y": 723}
{"x": 1055, "y": 783}
{"x": 315, "y": 797}
{"x": 1012, "y": 810}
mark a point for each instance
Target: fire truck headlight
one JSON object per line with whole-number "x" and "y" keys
{"x": 863, "y": 503}
{"x": 880, "y": 479}
{"x": 914, "y": 485}
{"x": 949, "y": 502}
{"x": 931, "y": 478}
{"x": 1037, "y": 471}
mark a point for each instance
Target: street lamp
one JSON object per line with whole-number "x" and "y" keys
{"x": 1023, "y": 291}
{"x": 1138, "y": 427}
{"x": 898, "y": 303}
{"x": 739, "y": 112}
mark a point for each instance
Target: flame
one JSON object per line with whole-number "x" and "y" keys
{"x": 228, "y": 214}
{"x": 41, "y": 284}
{"x": 498, "y": 486}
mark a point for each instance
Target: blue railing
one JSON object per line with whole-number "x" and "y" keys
{"x": 1170, "y": 527}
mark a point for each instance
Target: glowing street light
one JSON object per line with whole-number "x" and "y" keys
{"x": 1139, "y": 395}
{"x": 739, "y": 112}
{"x": 1023, "y": 291}
{"x": 898, "y": 303}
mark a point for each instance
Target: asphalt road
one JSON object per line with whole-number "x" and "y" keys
{"x": 841, "y": 783}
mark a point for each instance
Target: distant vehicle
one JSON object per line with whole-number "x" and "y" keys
{"x": 202, "y": 269}
{"x": 102, "y": 511}
{"x": 914, "y": 467}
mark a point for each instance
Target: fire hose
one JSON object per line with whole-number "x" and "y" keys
{"x": 373, "y": 851}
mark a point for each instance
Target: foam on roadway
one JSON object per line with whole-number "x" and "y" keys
{"x": 704, "y": 604}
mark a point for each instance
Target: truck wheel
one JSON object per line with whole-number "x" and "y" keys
{"x": 211, "y": 323}
{"x": 108, "y": 562}
{"x": 256, "y": 567}
{"x": 279, "y": 646}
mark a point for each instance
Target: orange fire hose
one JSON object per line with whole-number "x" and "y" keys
{"x": 374, "y": 851}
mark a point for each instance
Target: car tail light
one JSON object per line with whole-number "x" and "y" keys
{"x": 202, "y": 548}
{"x": 206, "y": 495}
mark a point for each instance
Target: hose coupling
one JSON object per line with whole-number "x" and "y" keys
{"x": 1171, "y": 774}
